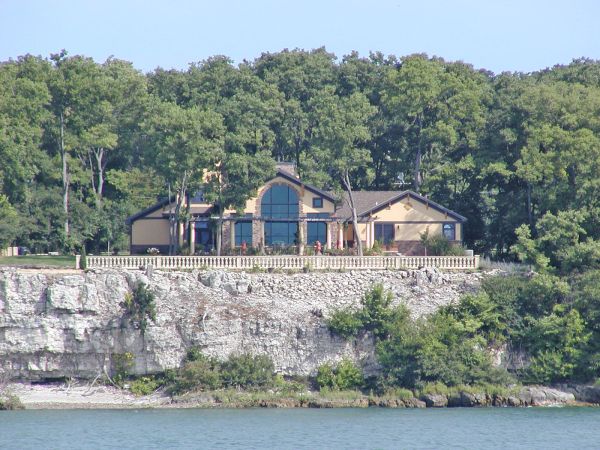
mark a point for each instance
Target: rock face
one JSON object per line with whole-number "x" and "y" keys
{"x": 73, "y": 325}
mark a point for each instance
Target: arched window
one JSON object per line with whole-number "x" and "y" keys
{"x": 280, "y": 202}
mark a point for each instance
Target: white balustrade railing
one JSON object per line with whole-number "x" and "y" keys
{"x": 284, "y": 262}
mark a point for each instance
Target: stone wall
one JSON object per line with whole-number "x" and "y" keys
{"x": 72, "y": 324}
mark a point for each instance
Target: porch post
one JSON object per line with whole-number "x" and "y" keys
{"x": 340, "y": 235}
{"x": 192, "y": 238}
{"x": 232, "y": 235}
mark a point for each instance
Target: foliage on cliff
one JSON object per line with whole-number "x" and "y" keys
{"x": 245, "y": 371}
{"x": 550, "y": 320}
{"x": 139, "y": 306}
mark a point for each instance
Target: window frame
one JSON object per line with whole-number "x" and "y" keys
{"x": 240, "y": 235}
{"x": 317, "y": 202}
{"x": 320, "y": 234}
{"x": 382, "y": 226}
{"x": 451, "y": 228}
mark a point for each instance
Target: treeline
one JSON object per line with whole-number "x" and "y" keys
{"x": 83, "y": 145}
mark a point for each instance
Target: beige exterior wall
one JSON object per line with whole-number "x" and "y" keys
{"x": 412, "y": 210}
{"x": 150, "y": 232}
{"x": 305, "y": 197}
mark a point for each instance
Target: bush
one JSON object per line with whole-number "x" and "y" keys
{"x": 144, "y": 385}
{"x": 439, "y": 245}
{"x": 139, "y": 306}
{"x": 345, "y": 323}
{"x": 10, "y": 402}
{"x": 375, "y": 315}
{"x": 122, "y": 363}
{"x": 201, "y": 373}
{"x": 248, "y": 371}
{"x": 343, "y": 377}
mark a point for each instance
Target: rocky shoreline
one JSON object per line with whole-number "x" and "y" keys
{"x": 80, "y": 396}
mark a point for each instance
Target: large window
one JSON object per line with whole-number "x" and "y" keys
{"x": 449, "y": 231}
{"x": 243, "y": 233}
{"x": 281, "y": 233}
{"x": 384, "y": 232}
{"x": 280, "y": 202}
{"x": 317, "y": 231}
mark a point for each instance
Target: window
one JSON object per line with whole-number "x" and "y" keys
{"x": 280, "y": 202}
{"x": 317, "y": 202}
{"x": 281, "y": 233}
{"x": 316, "y": 231}
{"x": 243, "y": 233}
{"x": 384, "y": 232}
{"x": 449, "y": 231}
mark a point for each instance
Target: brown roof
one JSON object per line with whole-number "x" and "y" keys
{"x": 364, "y": 201}
{"x": 372, "y": 201}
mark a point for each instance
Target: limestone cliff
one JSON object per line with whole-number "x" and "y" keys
{"x": 55, "y": 324}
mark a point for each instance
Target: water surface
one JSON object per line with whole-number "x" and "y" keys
{"x": 460, "y": 428}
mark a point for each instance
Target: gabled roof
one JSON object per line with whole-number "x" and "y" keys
{"x": 368, "y": 202}
{"x": 309, "y": 187}
{"x": 161, "y": 204}
{"x": 364, "y": 201}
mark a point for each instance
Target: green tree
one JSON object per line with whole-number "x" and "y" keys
{"x": 184, "y": 145}
{"x": 234, "y": 179}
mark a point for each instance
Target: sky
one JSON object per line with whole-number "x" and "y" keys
{"x": 497, "y": 35}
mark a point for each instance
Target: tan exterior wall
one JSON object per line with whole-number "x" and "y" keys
{"x": 305, "y": 196}
{"x": 150, "y": 232}
{"x": 412, "y": 210}
{"x": 413, "y": 231}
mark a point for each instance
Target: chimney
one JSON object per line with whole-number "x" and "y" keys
{"x": 287, "y": 167}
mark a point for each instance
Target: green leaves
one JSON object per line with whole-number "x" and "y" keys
{"x": 9, "y": 222}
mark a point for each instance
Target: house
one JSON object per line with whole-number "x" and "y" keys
{"x": 287, "y": 211}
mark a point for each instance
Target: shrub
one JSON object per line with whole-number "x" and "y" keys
{"x": 201, "y": 373}
{"x": 139, "y": 306}
{"x": 375, "y": 315}
{"x": 122, "y": 363}
{"x": 345, "y": 323}
{"x": 439, "y": 245}
{"x": 247, "y": 371}
{"x": 10, "y": 402}
{"x": 345, "y": 376}
{"x": 144, "y": 385}
{"x": 325, "y": 376}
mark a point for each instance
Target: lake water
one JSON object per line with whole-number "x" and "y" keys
{"x": 464, "y": 428}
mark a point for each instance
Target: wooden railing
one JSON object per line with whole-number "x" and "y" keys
{"x": 285, "y": 262}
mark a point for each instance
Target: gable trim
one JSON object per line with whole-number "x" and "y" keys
{"x": 308, "y": 187}
{"x": 416, "y": 196}
{"x": 149, "y": 210}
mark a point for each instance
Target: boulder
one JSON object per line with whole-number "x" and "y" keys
{"x": 544, "y": 396}
{"x": 435, "y": 400}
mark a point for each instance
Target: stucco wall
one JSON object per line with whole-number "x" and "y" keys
{"x": 150, "y": 232}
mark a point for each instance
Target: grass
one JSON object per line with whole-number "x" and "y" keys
{"x": 39, "y": 261}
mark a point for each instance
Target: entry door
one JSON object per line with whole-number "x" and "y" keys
{"x": 204, "y": 237}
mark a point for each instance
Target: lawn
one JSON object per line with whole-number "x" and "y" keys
{"x": 67, "y": 261}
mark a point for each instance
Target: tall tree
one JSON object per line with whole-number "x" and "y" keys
{"x": 235, "y": 179}
{"x": 340, "y": 139}
{"x": 184, "y": 145}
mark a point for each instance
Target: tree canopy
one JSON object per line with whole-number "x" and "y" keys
{"x": 85, "y": 144}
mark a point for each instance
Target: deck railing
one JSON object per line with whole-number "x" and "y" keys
{"x": 285, "y": 262}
